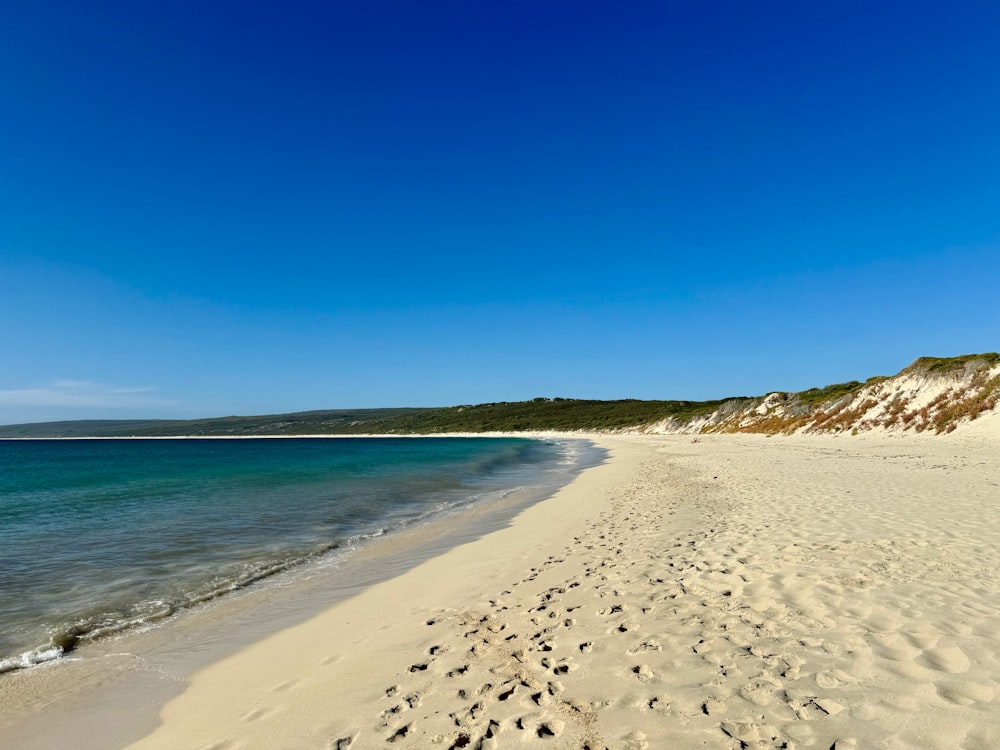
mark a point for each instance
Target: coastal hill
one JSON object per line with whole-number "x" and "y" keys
{"x": 934, "y": 395}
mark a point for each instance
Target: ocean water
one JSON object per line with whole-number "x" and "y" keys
{"x": 100, "y": 536}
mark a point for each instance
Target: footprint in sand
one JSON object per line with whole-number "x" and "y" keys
{"x": 390, "y": 713}
{"x": 659, "y": 703}
{"x": 413, "y": 700}
{"x": 541, "y": 698}
{"x": 541, "y": 725}
{"x": 545, "y": 696}
{"x": 506, "y": 694}
{"x": 484, "y": 688}
{"x": 463, "y": 740}
{"x": 648, "y": 645}
{"x": 550, "y": 729}
{"x": 466, "y": 717}
{"x": 643, "y": 673}
{"x": 561, "y": 667}
{"x": 749, "y": 734}
{"x": 713, "y": 706}
{"x": 635, "y": 740}
{"x": 399, "y": 733}
{"x": 806, "y": 708}
{"x": 492, "y": 730}
{"x": 833, "y": 678}
{"x": 761, "y": 690}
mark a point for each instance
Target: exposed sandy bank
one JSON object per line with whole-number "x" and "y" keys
{"x": 731, "y": 592}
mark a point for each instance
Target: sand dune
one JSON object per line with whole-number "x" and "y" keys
{"x": 735, "y": 592}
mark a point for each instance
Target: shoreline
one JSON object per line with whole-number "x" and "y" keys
{"x": 734, "y": 592}
{"x": 130, "y": 673}
{"x": 527, "y": 434}
{"x": 368, "y": 633}
{"x": 326, "y": 551}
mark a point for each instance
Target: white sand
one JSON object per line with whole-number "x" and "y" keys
{"x": 731, "y": 592}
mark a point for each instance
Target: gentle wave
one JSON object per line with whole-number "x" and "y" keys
{"x": 405, "y": 488}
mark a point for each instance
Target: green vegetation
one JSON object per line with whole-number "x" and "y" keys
{"x": 81, "y": 428}
{"x": 299, "y": 423}
{"x": 538, "y": 414}
{"x": 950, "y": 364}
{"x": 550, "y": 414}
{"x": 815, "y": 396}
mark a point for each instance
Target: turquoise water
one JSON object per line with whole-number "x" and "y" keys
{"x": 97, "y": 536}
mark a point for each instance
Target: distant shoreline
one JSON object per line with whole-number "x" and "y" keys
{"x": 932, "y": 394}
{"x": 527, "y": 435}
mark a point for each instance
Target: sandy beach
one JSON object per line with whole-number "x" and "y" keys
{"x": 718, "y": 592}
{"x": 730, "y": 592}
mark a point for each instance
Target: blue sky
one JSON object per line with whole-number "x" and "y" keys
{"x": 219, "y": 208}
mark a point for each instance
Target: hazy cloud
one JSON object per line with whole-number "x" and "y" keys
{"x": 81, "y": 394}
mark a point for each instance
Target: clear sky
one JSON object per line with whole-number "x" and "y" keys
{"x": 211, "y": 208}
